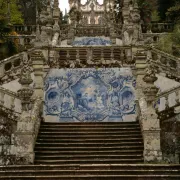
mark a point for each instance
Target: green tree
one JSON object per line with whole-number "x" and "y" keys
{"x": 7, "y": 46}
{"x": 15, "y": 14}
{"x": 148, "y": 10}
{"x": 163, "y": 6}
{"x": 174, "y": 12}
{"x": 29, "y": 9}
{"x": 171, "y": 43}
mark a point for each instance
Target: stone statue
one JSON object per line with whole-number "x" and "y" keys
{"x": 132, "y": 30}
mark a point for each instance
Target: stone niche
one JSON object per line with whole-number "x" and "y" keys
{"x": 90, "y": 95}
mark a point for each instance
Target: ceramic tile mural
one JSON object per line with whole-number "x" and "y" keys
{"x": 91, "y": 41}
{"x": 90, "y": 95}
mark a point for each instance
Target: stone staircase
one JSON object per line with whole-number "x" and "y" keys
{"x": 90, "y": 151}
{"x": 89, "y": 143}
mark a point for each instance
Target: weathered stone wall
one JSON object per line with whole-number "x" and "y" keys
{"x": 7, "y": 129}
{"x": 170, "y": 139}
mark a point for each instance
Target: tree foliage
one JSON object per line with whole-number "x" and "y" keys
{"x": 171, "y": 43}
{"x": 7, "y": 46}
{"x": 15, "y": 13}
{"x": 174, "y": 12}
{"x": 29, "y": 9}
{"x": 148, "y": 10}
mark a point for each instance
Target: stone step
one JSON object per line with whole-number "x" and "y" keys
{"x": 94, "y": 177}
{"x": 89, "y": 129}
{"x": 107, "y": 167}
{"x": 91, "y": 161}
{"x": 92, "y": 172}
{"x": 109, "y": 144}
{"x": 89, "y": 157}
{"x": 91, "y": 133}
{"x": 95, "y": 140}
{"x": 89, "y": 136}
{"x": 89, "y": 123}
{"x": 49, "y": 148}
{"x": 96, "y": 152}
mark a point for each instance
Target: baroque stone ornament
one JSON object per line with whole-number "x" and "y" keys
{"x": 132, "y": 28}
{"x": 150, "y": 90}
{"x": 25, "y": 92}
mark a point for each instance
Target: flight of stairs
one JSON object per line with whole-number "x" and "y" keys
{"x": 89, "y": 143}
{"x": 90, "y": 151}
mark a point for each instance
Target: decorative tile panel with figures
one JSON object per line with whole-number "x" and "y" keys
{"x": 88, "y": 95}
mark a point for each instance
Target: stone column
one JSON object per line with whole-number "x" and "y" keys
{"x": 38, "y": 66}
{"x": 24, "y": 134}
{"x": 151, "y": 124}
{"x": 146, "y": 94}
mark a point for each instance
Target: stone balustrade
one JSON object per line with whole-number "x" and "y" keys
{"x": 92, "y": 31}
{"x": 25, "y": 29}
{"x": 153, "y": 37}
{"x": 97, "y": 56}
{"x": 168, "y": 99}
{"x": 10, "y": 68}
{"x": 9, "y": 101}
{"x": 24, "y": 41}
{"x": 158, "y": 27}
{"x": 164, "y": 63}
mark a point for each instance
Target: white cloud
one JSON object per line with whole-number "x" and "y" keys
{"x": 64, "y": 4}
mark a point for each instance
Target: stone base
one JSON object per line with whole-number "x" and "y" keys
{"x": 171, "y": 158}
{"x": 152, "y": 156}
{"x": 1, "y": 161}
{"x": 25, "y": 159}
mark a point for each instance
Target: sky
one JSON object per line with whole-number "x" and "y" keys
{"x": 63, "y": 4}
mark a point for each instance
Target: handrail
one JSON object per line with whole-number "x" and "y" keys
{"x": 8, "y": 92}
{"x": 166, "y": 54}
{"x": 15, "y": 56}
{"x": 170, "y": 91}
{"x": 164, "y": 62}
{"x": 8, "y": 101}
{"x": 10, "y": 68}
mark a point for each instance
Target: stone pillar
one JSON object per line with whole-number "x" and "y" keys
{"x": 146, "y": 94}
{"x": 151, "y": 124}
{"x": 24, "y": 137}
{"x": 38, "y": 66}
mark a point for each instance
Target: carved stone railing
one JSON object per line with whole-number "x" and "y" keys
{"x": 164, "y": 63}
{"x": 92, "y": 31}
{"x": 10, "y": 68}
{"x": 10, "y": 102}
{"x": 24, "y": 41}
{"x": 25, "y": 29}
{"x": 93, "y": 56}
{"x": 158, "y": 27}
{"x": 153, "y": 37}
{"x": 167, "y": 101}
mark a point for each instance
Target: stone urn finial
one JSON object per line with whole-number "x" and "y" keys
{"x": 25, "y": 93}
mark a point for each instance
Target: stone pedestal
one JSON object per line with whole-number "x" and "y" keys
{"x": 24, "y": 138}
{"x": 38, "y": 66}
{"x": 146, "y": 94}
